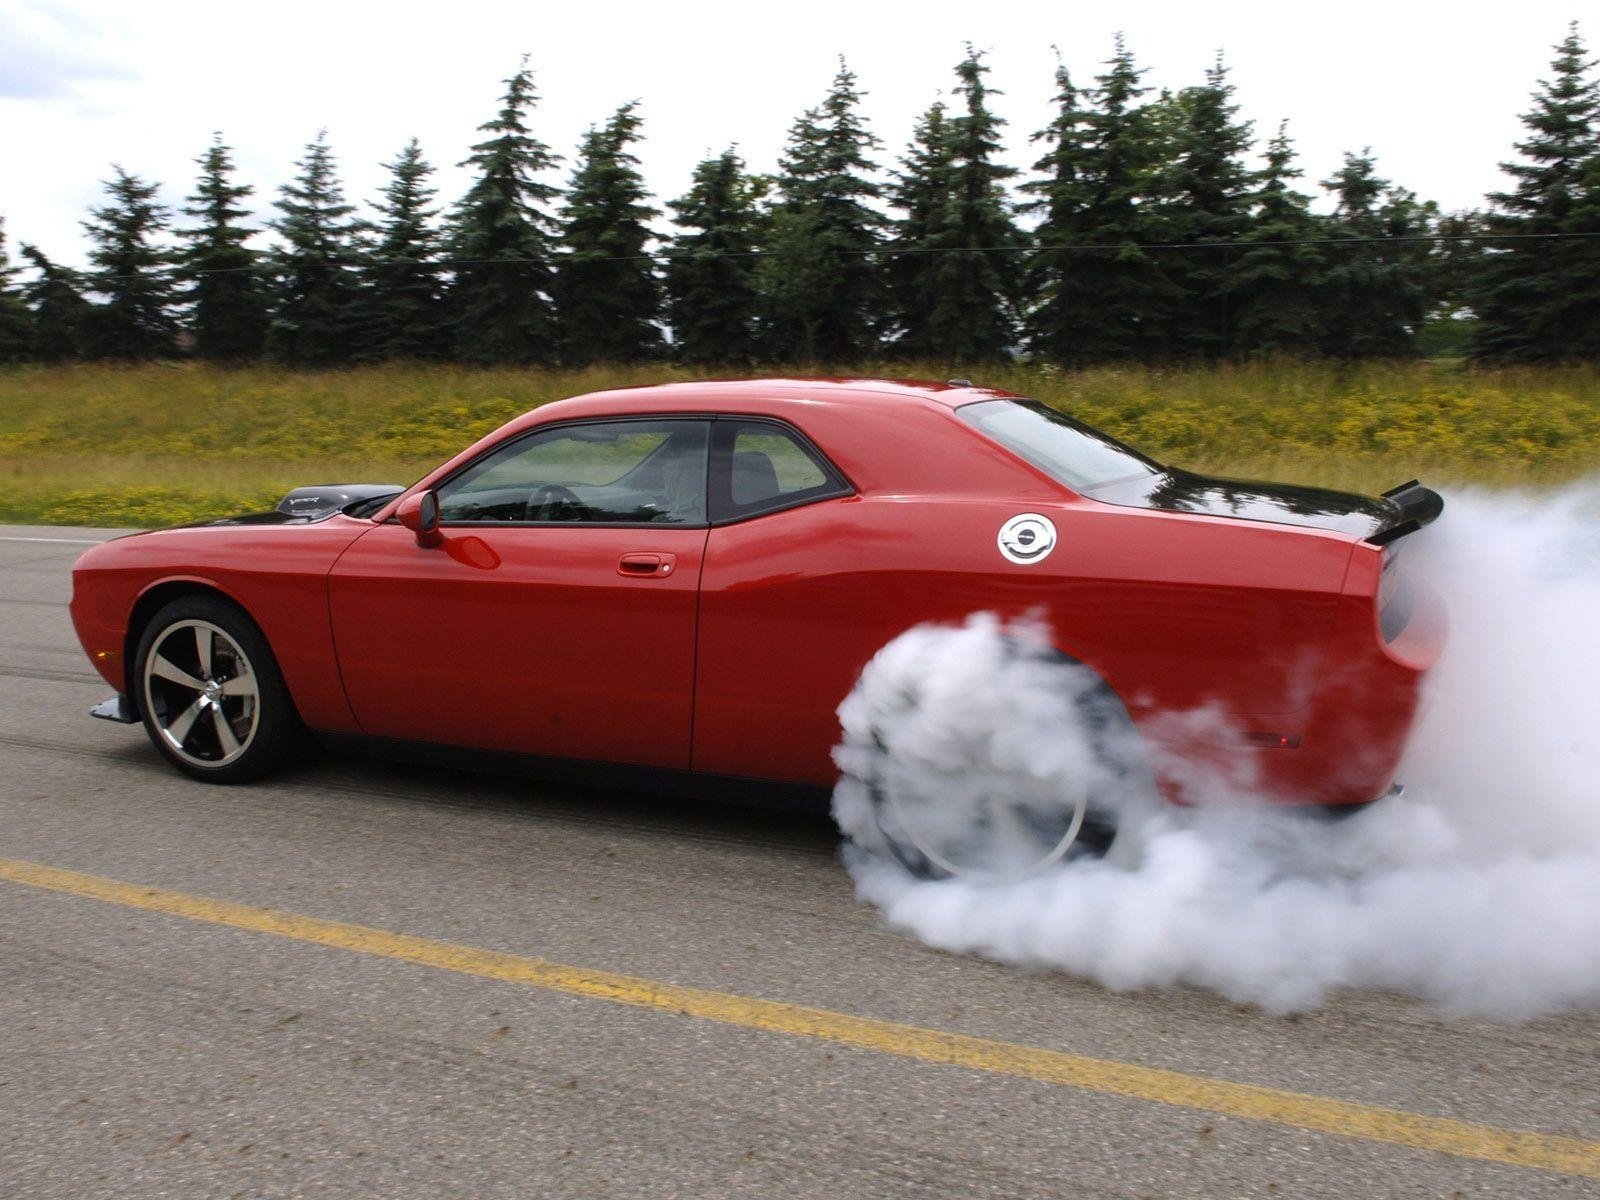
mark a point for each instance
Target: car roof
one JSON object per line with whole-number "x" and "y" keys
{"x": 862, "y": 424}
{"x": 715, "y": 395}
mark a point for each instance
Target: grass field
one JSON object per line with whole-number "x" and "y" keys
{"x": 155, "y": 445}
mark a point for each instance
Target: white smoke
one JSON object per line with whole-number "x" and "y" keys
{"x": 1479, "y": 890}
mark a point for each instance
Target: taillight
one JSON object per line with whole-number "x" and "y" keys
{"x": 1395, "y": 597}
{"x": 1388, "y": 581}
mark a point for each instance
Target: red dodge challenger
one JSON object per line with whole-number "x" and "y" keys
{"x": 673, "y": 588}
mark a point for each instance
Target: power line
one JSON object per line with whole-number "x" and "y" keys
{"x": 269, "y": 263}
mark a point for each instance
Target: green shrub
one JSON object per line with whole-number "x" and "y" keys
{"x": 159, "y": 444}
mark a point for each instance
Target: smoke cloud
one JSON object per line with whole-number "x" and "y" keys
{"x": 1479, "y": 890}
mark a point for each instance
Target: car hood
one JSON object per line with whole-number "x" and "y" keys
{"x": 1280, "y": 503}
{"x": 307, "y": 505}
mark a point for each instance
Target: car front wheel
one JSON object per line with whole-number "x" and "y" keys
{"x": 210, "y": 692}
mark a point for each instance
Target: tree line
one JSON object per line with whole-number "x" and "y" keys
{"x": 1140, "y": 234}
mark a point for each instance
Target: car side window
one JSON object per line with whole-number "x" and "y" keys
{"x": 608, "y": 472}
{"x": 761, "y": 466}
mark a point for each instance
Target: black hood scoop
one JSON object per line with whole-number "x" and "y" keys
{"x": 305, "y": 505}
{"x": 325, "y": 499}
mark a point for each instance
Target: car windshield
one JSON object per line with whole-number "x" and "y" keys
{"x": 1069, "y": 452}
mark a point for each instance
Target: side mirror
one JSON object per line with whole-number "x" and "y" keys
{"x": 420, "y": 514}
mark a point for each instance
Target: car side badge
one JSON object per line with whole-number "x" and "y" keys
{"x": 1027, "y": 538}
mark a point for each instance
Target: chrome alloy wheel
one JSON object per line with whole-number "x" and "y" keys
{"x": 987, "y": 829}
{"x": 201, "y": 693}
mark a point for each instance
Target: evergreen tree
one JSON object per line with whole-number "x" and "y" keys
{"x": 1377, "y": 290}
{"x": 1063, "y": 196}
{"x": 61, "y": 314}
{"x": 317, "y": 317}
{"x": 503, "y": 238}
{"x": 406, "y": 297}
{"x": 1208, "y": 193}
{"x": 1581, "y": 271}
{"x": 920, "y": 194}
{"x": 820, "y": 281}
{"x": 1128, "y": 296}
{"x": 711, "y": 287}
{"x": 226, "y": 290}
{"x": 1456, "y": 266}
{"x": 1274, "y": 286}
{"x": 16, "y": 323}
{"x": 131, "y": 272}
{"x": 1527, "y": 308}
{"x": 607, "y": 292}
{"x": 974, "y": 272}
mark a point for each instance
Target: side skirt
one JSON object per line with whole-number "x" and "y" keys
{"x": 662, "y": 781}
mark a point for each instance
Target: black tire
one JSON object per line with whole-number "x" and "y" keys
{"x": 1120, "y": 770}
{"x": 242, "y": 724}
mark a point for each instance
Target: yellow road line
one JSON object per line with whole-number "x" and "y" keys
{"x": 1570, "y": 1156}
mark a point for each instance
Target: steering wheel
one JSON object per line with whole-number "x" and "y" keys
{"x": 550, "y": 499}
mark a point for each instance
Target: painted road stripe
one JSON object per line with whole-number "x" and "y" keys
{"x": 58, "y": 541}
{"x": 1569, "y": 1156}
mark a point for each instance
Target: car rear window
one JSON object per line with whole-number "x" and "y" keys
{"x": 1066, "y": 450}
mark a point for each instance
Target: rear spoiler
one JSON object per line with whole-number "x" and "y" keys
{"x": 1415, "y": 506}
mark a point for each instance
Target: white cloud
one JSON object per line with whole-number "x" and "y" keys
{"x": 145, "y": 84}
{"x": 48, "y": 51}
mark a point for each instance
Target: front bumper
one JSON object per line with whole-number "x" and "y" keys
{"x": 118, "y": 709}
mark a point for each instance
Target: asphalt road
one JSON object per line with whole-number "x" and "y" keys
{"x": 162, "y": 1045}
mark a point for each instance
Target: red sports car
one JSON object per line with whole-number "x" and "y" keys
{"x": 673, "y": 588}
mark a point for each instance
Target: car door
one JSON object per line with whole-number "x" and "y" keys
{"x": 790, "y": 607}
{"x": 556, "y": 617}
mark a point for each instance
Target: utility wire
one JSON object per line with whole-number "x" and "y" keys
{"x": 273, "y": 261}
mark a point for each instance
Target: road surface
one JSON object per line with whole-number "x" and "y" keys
{"x": 367, "y": 980}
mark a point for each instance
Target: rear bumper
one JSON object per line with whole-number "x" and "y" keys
{"x": 1356, "y": 730}
{"x": 1343, "y": 749}
{"x": 1340, "y": 811}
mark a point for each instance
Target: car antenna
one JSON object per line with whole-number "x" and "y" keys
{"x": 958, "y": 382}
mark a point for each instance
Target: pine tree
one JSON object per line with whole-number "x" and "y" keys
{"x": 1377, "y": 290}
{"x": 503, "y": 239}
{"x": 710, "y": 272}
{"x": 131, "y": 271}
{"x": 1274, "y": 286}
{"x": 975, "y": 268}
{"x": 62, "y": 315}
{"x": 820, "y": 282}
{"x": 16, "y": 323}
{"x": 607, "y": 291}
{"x": 226, "y": 290}
{"x": 406, "y": 296}
{"x": 1208, "y": 193}
{"x": 1581, "y": 271}
{"x": 1127, "y": 294}
{"x": 1526, "y": 307}
{"x": 920, "y": 194}
{"x": 1063, "y": 196}
{"x": 1456, "y": 266}
{"x": 317, "y": 316}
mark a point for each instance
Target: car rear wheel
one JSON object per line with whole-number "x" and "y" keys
{"x": 999, "y": 829}
{"x": 983, "y": 821}
{"x": 210, "y": 693}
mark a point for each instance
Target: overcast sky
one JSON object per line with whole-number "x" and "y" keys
{"x": 1435, "y": 89}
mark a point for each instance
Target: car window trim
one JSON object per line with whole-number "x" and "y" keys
{"x": 635, "y": 418}
{"x": 837, "y": 485}
{"x": 1044, "y": 472}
